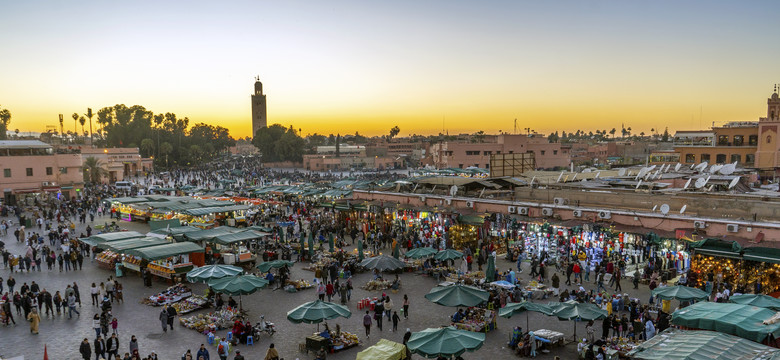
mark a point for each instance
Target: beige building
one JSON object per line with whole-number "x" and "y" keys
{"x": 477, "y": 154}
{"x": 34, "y": 168}
{"x": 119, "y": 162}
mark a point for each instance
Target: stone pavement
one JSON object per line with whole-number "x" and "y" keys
{"x": 63, "y": 335}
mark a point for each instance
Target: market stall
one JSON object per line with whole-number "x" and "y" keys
{"x": 748, "y": 322}
{"x": 168, "y": 260}
{"x": 170, "y": 295}
{"x": 97, "y": 239}
{"x": 685, "y": 344}
{"x": 211, "y": 322}
{"x": 233, "y": 247}
{"x": 476, "y": 319}
{"x": 316, "y": 312}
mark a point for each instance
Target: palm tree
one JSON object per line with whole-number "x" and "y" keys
{"x": 165, "y": 149}
{"x": 89, "y": 116}
{"x": 612, "y": 132}
{"x": 5, "y": 119}
{"x": 93, "y": 171}
{"x": 147, "y": 147}
{"x": 75, "y": 117}
{"x": 82, "y": 121}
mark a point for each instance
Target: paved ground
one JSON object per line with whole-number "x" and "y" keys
{"x": 63, "y": 335}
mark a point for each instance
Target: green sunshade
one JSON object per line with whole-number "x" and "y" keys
{"x": 490, "y": 272}
{"x": 744, "y": 321}
{"x": 209, "y": 272}
{"x": 577, "y": 311}
{"x": 420, "y": 252}
{"x": 382, "y": 263}
{"x": 94, "y": 240}
{"x": 177, "y": 232}
{"x": 717, "y": 247}
{"x": 208, "y": 234}
{"x": 447, "y": 342}
{"x": 760, "y": 300}
{"x": 515, "y": 308}
{"x": 165, "y": 251}
{"x": 679, "y": 292}
{"x": 215, "y": 209}
{"x": 227, "y": 239}
{"x": 384, "y": 350}
{"x": 122, "y": 245}
{"x": 238, "y": 285}
{"x": 448, "y": 254}
{"x": 317, "y": 311}
{"x": 457, "y": 295}
{"x": 264, "y": 267}
{"x": 762, "y": 254}
{"x": 674, "y": 344}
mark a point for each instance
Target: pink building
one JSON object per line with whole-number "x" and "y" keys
{"x": 119, "y": 162}
{"x": 33, "y": 168}
{"x": 465, "y": 154}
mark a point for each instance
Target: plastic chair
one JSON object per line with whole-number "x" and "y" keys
{"x": 250, "y": 340}
{"x": 229, "y": 336}
{"x": 210, "y": 338}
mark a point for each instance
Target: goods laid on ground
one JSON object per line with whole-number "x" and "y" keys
{"x": 477, "y": 320}
{"x": 191, "y": 304}
{"x": 378, "y": 284}
{"x": 205, "y": 323}
{"x": 345, "y": 341}
{"x": 172, "y": 294}
{"x": 299, "y": 284}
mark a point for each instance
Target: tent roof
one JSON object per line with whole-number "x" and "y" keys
{"x": 744, "y": 321}
{"x": 165, "y": 251}
{"x": 114, "y": 236}
{"x": 762, "y": 254}
{"x": 383, "y": 350}
{"x": 121, "y": 245}
{"x": 209, "y": 234}
{"x": 215, "y": 209}
{"x": 230, "y": 238}
{"x": 701, "y": 345}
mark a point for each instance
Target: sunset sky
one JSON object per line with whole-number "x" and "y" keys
{"x": 346, "y": 66}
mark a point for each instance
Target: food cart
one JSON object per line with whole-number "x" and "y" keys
{"x": 167, "y": 261}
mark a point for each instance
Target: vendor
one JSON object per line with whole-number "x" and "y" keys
{"x": 231, "y": 302}
{"x": 458, "y": 316}
{"x": 270, "y": 278}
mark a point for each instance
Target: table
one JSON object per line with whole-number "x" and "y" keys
{"x": 315, "y": 343}
{"x": 555, "y": 337}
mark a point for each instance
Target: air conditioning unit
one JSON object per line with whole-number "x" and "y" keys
{"x": 422, "y": 198}
{"x": 577, "y": 213}
{"x": 561, "y": 201}
{"x": 448, "y": 201}
{"x": 603, "y": 214}
{"x": 732, "y": 228}
{"x": 470, "y": 204}
{"x": 522, "y": 211}
{"x": 547, "y": 212}
{"x": 512, "y": 210}
{"x": 46, "y": 183}
{"x": 699, "y": 224}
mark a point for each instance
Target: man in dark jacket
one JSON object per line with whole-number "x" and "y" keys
{"x": 85, "y": 349}
{"x": 171, "y": 315}
{"x": 100, "y": 348}
{"x": 112, "y": 346}
{"x": 202, "y": 352}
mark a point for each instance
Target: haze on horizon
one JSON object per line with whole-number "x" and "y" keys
{"x": 346, "y": 66}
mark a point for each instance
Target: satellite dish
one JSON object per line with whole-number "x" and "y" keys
{"x": 597, "y": 175}
{"x": 532, "y": 181}
{"x": 560, "y": 176}
{"x": 733, "y": 182}
{"x": 683, "y": 209}
{"x": 639, "y": 183}
{"x": 715, "y": 168}
{"x": 657, "y": 174}
{"x": 651, "y": 168}
{"x": 687, "y": 183}
{"x": 665, "y": 209}
{"x": 677, "y": 167}
{"x": 585, "y": 171}
{"x": 700, "y": 167}
{"x": 453, "y": 190}
{"x": 700, "y": 183}
{"x": 622, "y": 172}
{"x": 574, "y": 177}
{"x": 728, "y": 169}
{"x": 642, "y": 173}
{"x": 654, "y": 206}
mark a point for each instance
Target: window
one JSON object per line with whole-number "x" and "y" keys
{"x": 750, "y": 158}
{"x": 753, "y": 140}
{"x": 511, "y": 151}
{"x": 720, "y": 158}
{"x": 542, "y": 152}
{"x": 498, "y": 152}
{"x": 487, "y": 166}
{"x": 6, "y": 172}
{"x": 555, "y": 152}
{"x": 487, "y": 152}
{"x": 736, "y": 157}
{"x": 472, "y": 152}
{"x": 460, "y": 166}
{"x": 723, "y": 140}
{"x": 705, "y": 157}
{"x": 739, "y": 140}
{"x": 63, "y": 170}
{"x": 690, "y": 158}
{"x": 49, "y": 170}
{"x": 29, "y": 172}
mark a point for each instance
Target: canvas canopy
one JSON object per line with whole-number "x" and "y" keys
{"x": 744, "y": 321}
{"x": 121, "y": 245}
{"x": 383, "y": 350}
{"x": 701, "y": 345}
{"x": 208, "y": 234}
{"x": 215, "y": 209}
{"x": 762, "y": 254}
{"x": 165, "y": 251}
{"x": 94, "y": 240}
{"x": 717, "y": 247}
{"x": 227, "y": 239}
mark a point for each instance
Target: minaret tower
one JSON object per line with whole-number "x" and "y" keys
{"x": 259, "y": 119}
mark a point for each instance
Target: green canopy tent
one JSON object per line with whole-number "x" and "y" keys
{"x": 235, "y": 237}
{"x": 759, "y": 300}
{"x": 209, "y": 272}
{"x": 448, "y": 254}
{"x": 316, "y": 312}
{"x": 446, "y": 342}
{"x": 331, "y": 244}
{"x": 238, "y": 285}
{"x": 209, "y": 234}
{"x": 525, "y": 306}
{"x": 701, "y": 345}
{"x": 457, "y": 295}
{"x": 122, "y": 245}
{"x": 717, "y": 247}
{"x": 382, "y": 263}
{"x": 95, "y": 240}
{"x": 275, "y": 264}
{"x": 572, "y": 310}
{"x": 164, "y": 251}
{"x": 679, "y": 292}
{"x": 420, "y": 252}
{"x": 360, "y": 250}
{"x": 762, "y": 254}
{"x": 744, "y": 321}
{"x": 490, "y": 272}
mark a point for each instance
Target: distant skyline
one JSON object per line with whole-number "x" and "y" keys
{"x": 425, "y": 66}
